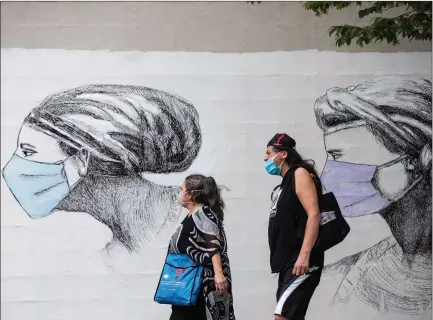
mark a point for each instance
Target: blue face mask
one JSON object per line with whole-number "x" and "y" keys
{"x": 272, "y": 168}
{"x": 38, "y": 187}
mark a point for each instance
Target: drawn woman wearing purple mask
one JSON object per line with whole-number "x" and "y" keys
{"x": 378, "y": 138}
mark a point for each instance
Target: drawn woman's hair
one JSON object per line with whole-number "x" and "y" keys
{"x": 126, "y": 129}
{"x": 204, "y": 190}
{"x": 397, "y": 110}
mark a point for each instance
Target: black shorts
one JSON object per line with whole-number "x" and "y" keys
{"x": 294, "y": 293}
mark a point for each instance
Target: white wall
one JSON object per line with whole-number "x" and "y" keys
{"x": 54, "y": 267}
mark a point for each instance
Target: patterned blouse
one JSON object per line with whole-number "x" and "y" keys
{"x": 201, "y": 235}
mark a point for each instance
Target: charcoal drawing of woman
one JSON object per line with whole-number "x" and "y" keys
{"x": 378, "y": 138}
{"x": 85, "y": 150}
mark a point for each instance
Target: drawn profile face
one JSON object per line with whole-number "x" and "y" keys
{"x": 39, "y": 174}
{"x": 92, "y": 149}
{"x": 364, "y": 175}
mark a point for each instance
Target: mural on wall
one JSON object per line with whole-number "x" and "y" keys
{"x": 102, "y": 157}
{"x": 84, "y": 150}
{"x": 378, "y": 138}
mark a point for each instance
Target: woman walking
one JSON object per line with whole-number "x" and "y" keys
{"x": 201, "y": 235}
{"x": 293, "y": 228}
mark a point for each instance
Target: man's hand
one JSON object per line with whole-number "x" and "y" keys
{"x": 302, "y": 264}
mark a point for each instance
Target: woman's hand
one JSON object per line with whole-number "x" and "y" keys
{"x": 302, "y": 264}
{"x": 221, "y": 283}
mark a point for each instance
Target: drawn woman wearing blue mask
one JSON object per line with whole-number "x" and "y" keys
{"x": 378, "y": 138}
{"x": 40, "y": 186}
{"x": 85, "y": 150}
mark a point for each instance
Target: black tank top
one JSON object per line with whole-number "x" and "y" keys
{"x": 286, "y": 229}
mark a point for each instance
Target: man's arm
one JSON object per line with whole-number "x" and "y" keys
{"x": 307, "y": 194}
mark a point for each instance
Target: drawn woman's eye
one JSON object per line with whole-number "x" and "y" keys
{"x": 27, "y": 149}
{"x": 28, "y": 153}
{"x": 335, "y": 153}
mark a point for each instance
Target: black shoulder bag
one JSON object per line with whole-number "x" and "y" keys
{"x": 333, "y": 227}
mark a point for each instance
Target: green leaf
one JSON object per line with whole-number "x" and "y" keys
{"x": 414, "y": 23}
{"x": 332, "y": 30}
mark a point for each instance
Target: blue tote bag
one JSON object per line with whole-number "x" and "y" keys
{"x": 180, "y": 281}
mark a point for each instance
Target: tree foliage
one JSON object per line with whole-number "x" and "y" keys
{"x": 415, "y": 23}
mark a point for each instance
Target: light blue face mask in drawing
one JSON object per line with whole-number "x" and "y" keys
{"x": 38, "y": 187}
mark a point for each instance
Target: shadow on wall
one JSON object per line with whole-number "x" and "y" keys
{"x": 378, "y": 138}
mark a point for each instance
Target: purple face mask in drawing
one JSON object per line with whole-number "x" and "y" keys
{"x": 352, "y": 186}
